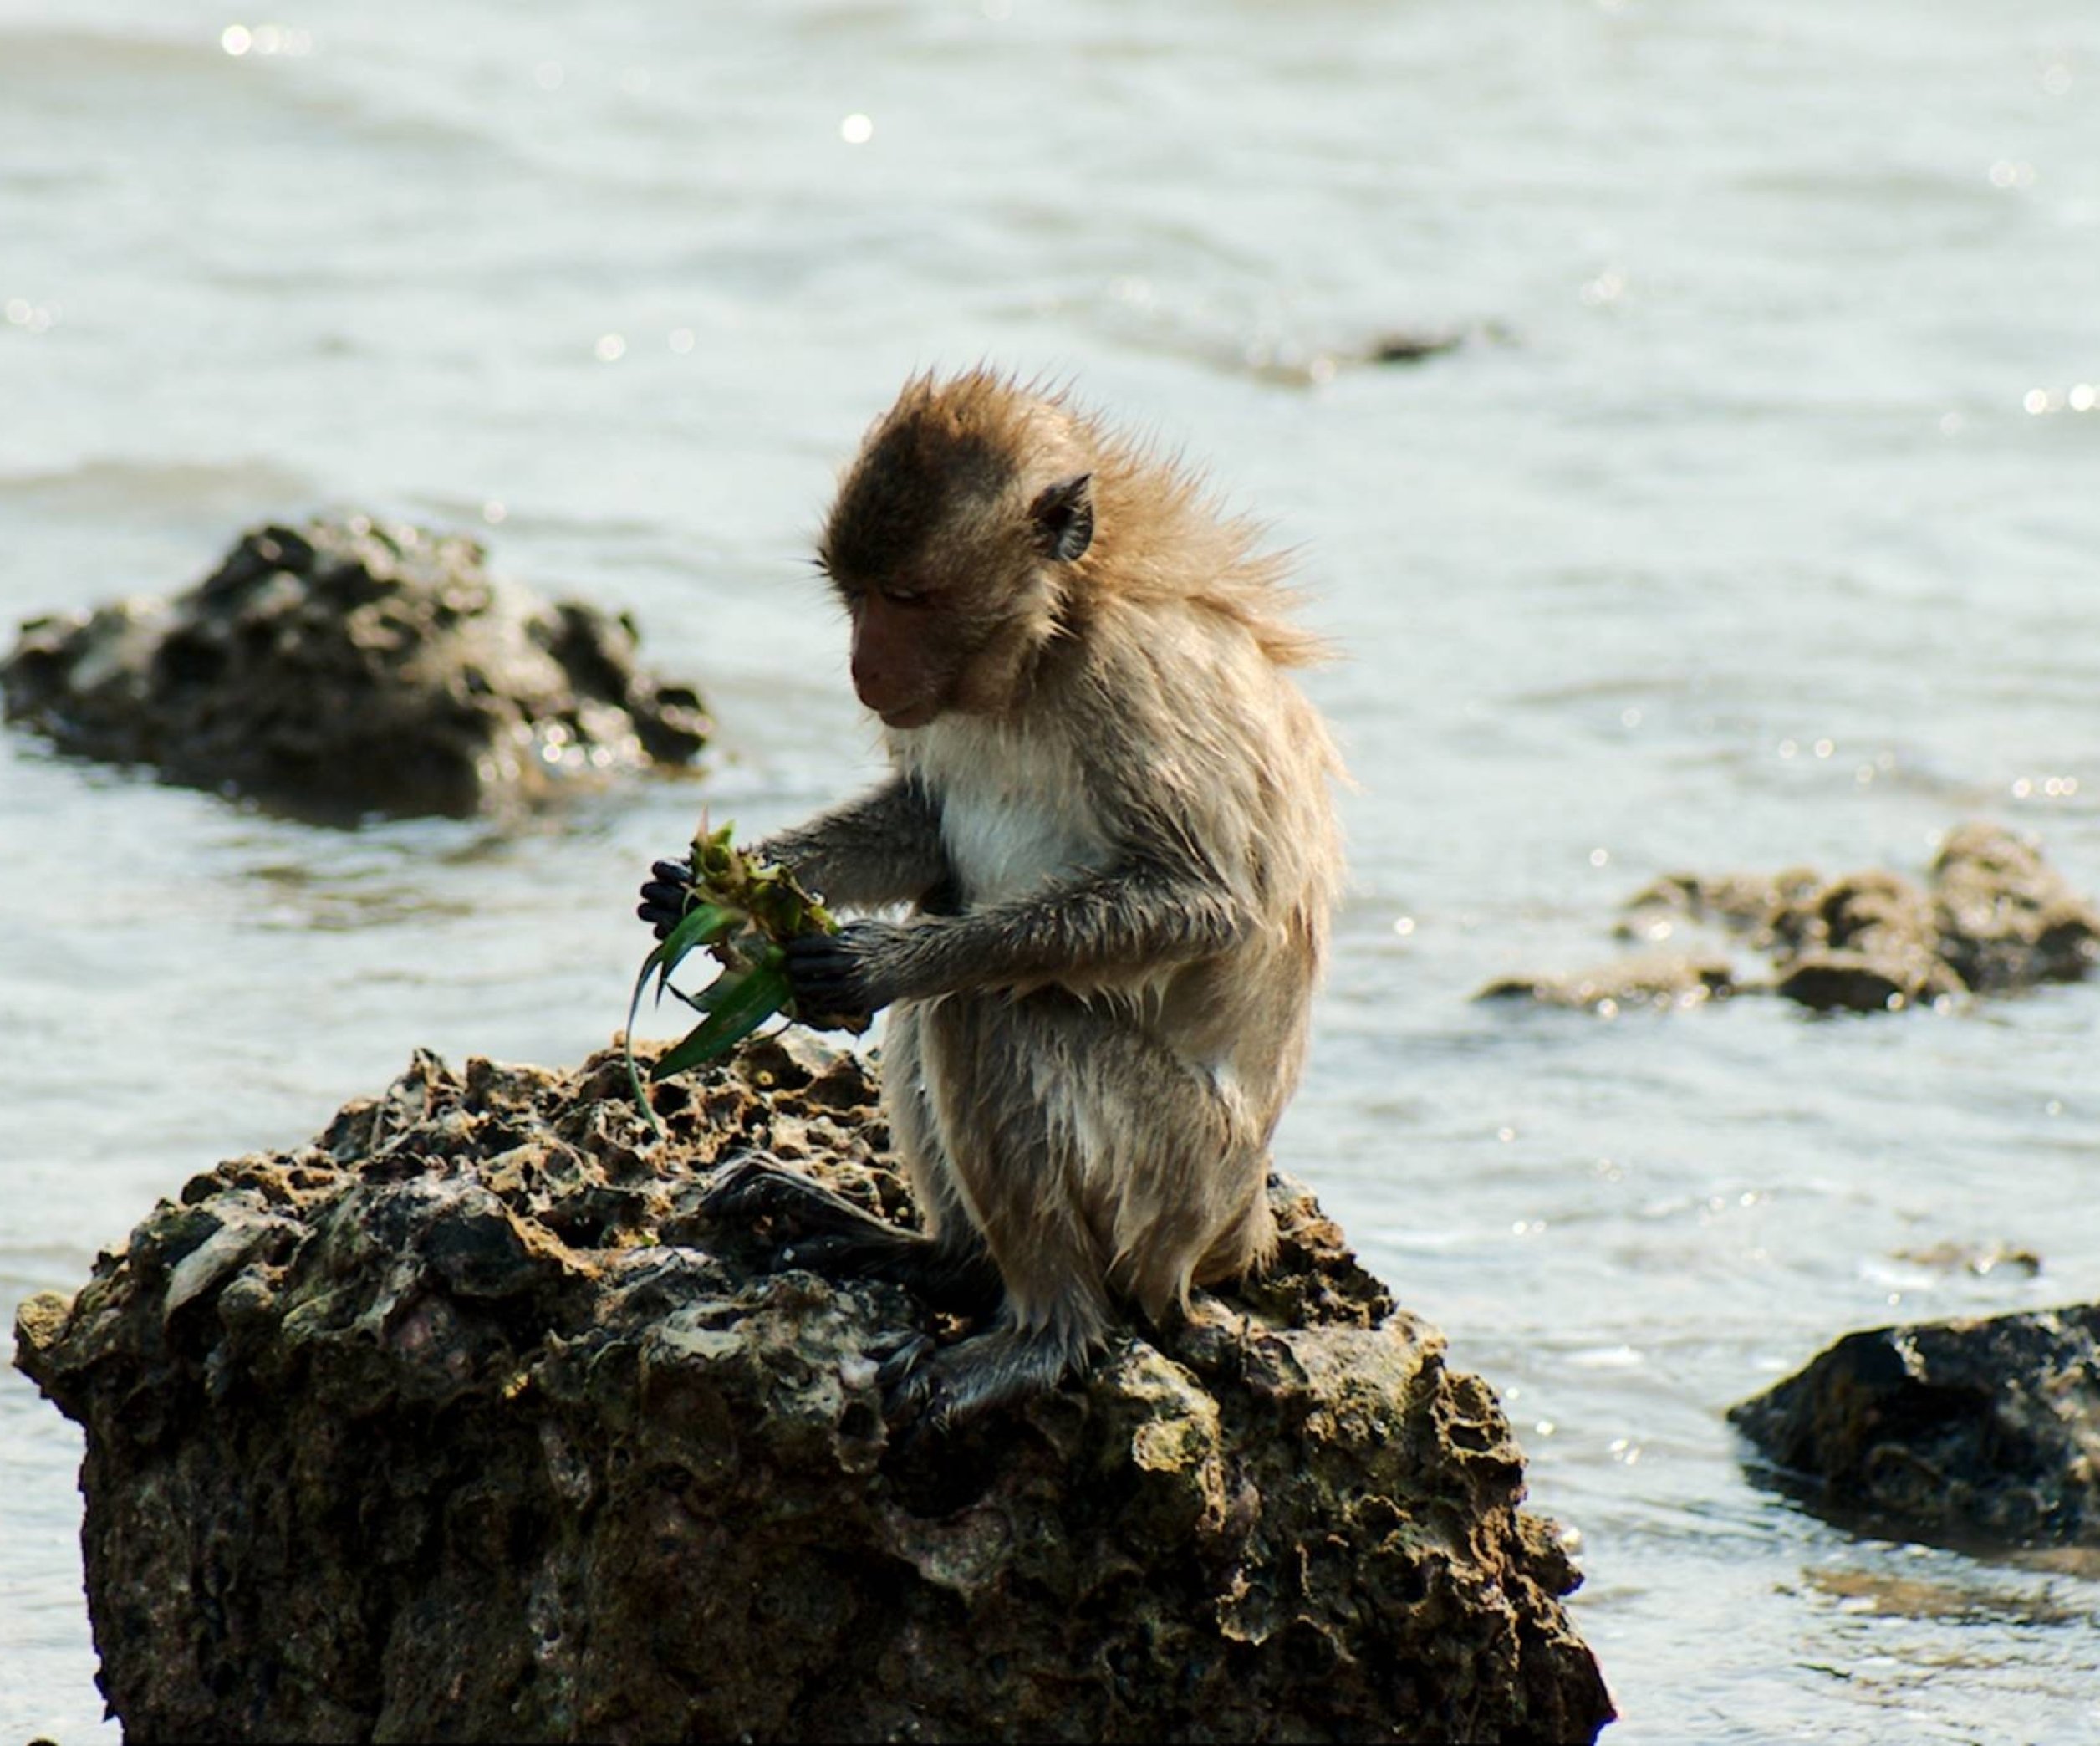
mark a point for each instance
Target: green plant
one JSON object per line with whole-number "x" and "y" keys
{"x": 742, "y": 910}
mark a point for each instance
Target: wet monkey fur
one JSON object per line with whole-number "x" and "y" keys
{"x": 1110, "y": 820}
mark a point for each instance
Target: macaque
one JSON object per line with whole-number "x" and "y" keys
{"x": 1110, "y": 820}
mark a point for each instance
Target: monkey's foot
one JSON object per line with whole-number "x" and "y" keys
{"x": 926, "y": 1388}
{"x": 752, "y": 1188}
{"x": 827, "y": 1233}
{"x": 899, "y": 1357}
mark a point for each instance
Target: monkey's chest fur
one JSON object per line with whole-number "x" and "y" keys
{"x": 1015, "y": 814}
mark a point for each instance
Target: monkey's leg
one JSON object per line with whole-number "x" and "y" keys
{"x": 1097, "y": 1163}
{"x": 829, "y": 1234}
{"x": 988, "y": 1108}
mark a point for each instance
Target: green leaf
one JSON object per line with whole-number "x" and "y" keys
{"x": 741, "y": 1004}
{"x": 728, "y": 986}
{"x": 634, "y": 1073}
{"x": 702, "y": 924}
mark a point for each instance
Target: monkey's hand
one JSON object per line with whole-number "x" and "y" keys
{"x": 848, "y": 975}
{"x": 667, "y": 895}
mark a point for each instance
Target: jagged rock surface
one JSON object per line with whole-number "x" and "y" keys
{"x": 1663, "y": 981}
{"x": 353, "y": 666}
{"x": 464, "y": 1421}
{"x": 1994, "y": 918}
{"x": 1974, "y": 1431}
{"x": 2005, "y": 918}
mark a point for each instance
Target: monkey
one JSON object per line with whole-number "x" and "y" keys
{"x": 1109, "y": 819}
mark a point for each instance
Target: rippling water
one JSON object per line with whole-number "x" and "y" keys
{"x": 1753, "y": 522}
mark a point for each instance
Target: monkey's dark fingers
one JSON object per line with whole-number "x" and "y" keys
{"x": 836, "y": 998}
{"x": 829, "y": 974}
{"x": 820, "y": 954}
{"x": 660, "y": 922}
{"x": 831, "y": 1254}
{"x": 753, "y": 1188}
{"x": 908, "y": 1380}
{"x": 901, "y": 1355}
{"x": 665, "y": 895}
{"x": 888, "y": 1346}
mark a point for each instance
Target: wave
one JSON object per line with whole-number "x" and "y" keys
{"x": 35, "y": 53}
{"x": 85, "y": 67}
{"x": 120, "y": 483}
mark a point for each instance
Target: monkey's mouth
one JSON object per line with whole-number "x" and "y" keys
{"x": 912, "y": 715}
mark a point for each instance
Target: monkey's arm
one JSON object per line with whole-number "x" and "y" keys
{"x": 1127, "y": 918}
{"x": 883, "y": 848}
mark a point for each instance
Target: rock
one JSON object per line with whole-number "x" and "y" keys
{"x": 1978, "y": 1432}
{"x": 1752, "y": 905}
{"x": 1412, "y": 345}
{"x": 1867, "y": 942}
{"x": 1659, "y": 979}
{"x": 353, "y": 666}
{"x": 464, "y": 1422}
{"x": 1980, "y": 1259}
{"x": 2005, "y": 919}
{"x": 1995, "y": 919}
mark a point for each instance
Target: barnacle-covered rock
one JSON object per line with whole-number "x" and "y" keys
{"x": 1993, "y": 917}
{"x": 1981, "y": 1432}
{"x": 351, "y": 667}
{"x": 466, "y": 1420}
{"x": 1658, "y": 980}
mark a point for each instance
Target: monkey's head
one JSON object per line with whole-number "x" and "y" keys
{"x": 956, "y": 544}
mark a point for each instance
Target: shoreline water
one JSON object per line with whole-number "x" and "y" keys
{"x": 1763, "y": 537}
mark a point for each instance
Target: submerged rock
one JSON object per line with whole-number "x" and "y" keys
{"x": 1412, "y": 345}
{"x": 1657, "y": 979}
{"x": 1994, "y": 918}
{"x": 1980, "y": 1259}
{"x": 1868, "y": 942}
{"x": 1979, "y": 1433}
{"x": 2005, "y": 918}
{"x": 353, "y": 666}
{"x": 464, "y": 1421}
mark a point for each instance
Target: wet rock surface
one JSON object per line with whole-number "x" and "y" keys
{"x": 1657, "y": 979}
{"x": 2005, "y": 918}
{"x": 1992, "y": 918}
{"x": 353, "y": 666}
{"x": 1982, "y": 1433}
{"x": 464, "y": 1422}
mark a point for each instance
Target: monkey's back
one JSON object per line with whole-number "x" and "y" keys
{"x": 1240, "y": 775}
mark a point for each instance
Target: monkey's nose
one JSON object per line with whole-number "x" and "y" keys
{"x": 898, "y": 706}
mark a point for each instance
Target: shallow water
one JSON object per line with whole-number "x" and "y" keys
{"x": 1753, "y": 524}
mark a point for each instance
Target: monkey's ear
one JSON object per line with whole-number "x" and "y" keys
{"x": 1064, "y": 518}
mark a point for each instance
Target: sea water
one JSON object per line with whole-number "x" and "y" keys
{"x": 1754, "y": 521}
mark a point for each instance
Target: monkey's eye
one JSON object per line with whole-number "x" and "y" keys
{"x": 901, "y": 596}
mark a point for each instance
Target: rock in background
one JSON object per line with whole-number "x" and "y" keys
{"x": 463, "y": 1422}
{"x": 1982, "y": 1432}
{"x": 353, "y": 666}
{"x": 1993, "y": 918}
{"x": 1663, "y": 981}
